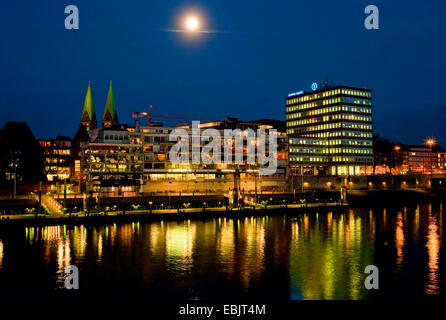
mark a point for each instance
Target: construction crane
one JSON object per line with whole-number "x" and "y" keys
{"x": 149, "y": 116}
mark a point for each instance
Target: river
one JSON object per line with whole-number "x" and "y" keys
{"x": 306, "y": 256}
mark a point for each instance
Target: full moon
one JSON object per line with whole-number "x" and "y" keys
{"x": 192, "y": 23}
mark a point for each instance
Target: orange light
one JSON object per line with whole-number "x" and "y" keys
{"x": 430, "y": 141}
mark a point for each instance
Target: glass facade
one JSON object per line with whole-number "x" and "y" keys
{"x": 330, "y": 131}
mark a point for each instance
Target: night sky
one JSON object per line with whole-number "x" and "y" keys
{"x": 262, "y": 51}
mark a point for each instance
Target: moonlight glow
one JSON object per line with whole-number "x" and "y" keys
{"x": 192, "y": 23}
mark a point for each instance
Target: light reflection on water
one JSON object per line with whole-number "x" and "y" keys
{"x": 433, "y": 248}
{"x": 309, "y": 256}
{"x": 399, "y": 241}
{"x": 328, "y": 257}
{"x": 1, "y": 255}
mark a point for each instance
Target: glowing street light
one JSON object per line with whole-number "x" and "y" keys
{"x": 430, "y": 142}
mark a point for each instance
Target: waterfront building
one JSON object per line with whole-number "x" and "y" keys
{"x": 441, "y": 161}
{"x": 420, "y": 159}
{"x": 330, "y": 131}
{"x": 121, "y": 160}
{"x": 107, "y": 160}
{"x": 157, "y": 165}
{"x": 112, "y": 161}
{"x": 57, "y": 157}
{"x": 81, "y": 137}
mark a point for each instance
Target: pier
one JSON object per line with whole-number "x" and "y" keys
{"x": 167, "y": 214}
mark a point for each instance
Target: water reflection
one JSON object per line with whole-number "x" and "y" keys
{"x": 309, "y": 256}
{"x": 63, "y": 259}
{"x": 225, "y": 246}
{"x": 1, "y": 255}
{"x": 433, "y": 249}
{"x": 416, "y": 223}
{"x": 180, "y": 241}
{"x": 328, "y": 254}
{"x": 251, "y": 238}
{"x": 399, "y": 240}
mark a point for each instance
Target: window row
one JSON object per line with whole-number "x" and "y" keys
{"x": 319, "y": 95}
{"x": 332, "y": 117}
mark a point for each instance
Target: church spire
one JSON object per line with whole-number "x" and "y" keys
{"x": 110, "y": 116}
{"x": 88, "y": 118}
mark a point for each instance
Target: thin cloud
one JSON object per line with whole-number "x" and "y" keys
{"x": 205, "y": 31}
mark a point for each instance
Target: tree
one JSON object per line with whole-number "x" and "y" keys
{"x": 385, "y": 153}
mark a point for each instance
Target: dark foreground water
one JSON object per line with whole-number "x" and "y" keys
{"x": 309, "y": 256}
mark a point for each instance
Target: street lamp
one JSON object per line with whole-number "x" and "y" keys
{"x": 430, "y": 142}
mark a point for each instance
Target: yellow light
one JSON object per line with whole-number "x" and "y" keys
{"x": 192, "y": 23}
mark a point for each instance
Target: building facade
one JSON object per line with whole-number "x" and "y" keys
{"x": 441, "y": 162}
{"x": 112, "y": 161}
{"x": 57, "y": 157}
{"x": 157, "y": 165}
{"x": 330, "y": 131}
{"x": 421, "y": 159}
{"x": 120, "y": 160}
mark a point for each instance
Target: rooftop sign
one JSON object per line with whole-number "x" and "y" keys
{"x": 295, "y": 94}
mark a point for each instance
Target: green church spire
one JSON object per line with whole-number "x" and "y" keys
{"x": 110, "y": 116}
{"x": 88, "y": 118}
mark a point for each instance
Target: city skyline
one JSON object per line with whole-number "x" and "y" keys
{"x": 244, "y": 69}
{"x": 206, "y": 152}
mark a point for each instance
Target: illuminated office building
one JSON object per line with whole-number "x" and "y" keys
{"x": 330, "y": 131}
{"x": 57, "y": 156}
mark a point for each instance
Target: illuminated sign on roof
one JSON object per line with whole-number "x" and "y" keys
{"x": 295, "y": 94}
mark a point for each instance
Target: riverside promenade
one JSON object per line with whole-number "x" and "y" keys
{"x": 166, "y": 214}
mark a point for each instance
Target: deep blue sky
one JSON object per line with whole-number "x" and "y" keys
{"x": 267, "y": 49}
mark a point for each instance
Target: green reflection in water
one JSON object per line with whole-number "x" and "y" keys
{"x": 328, "y": 254}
